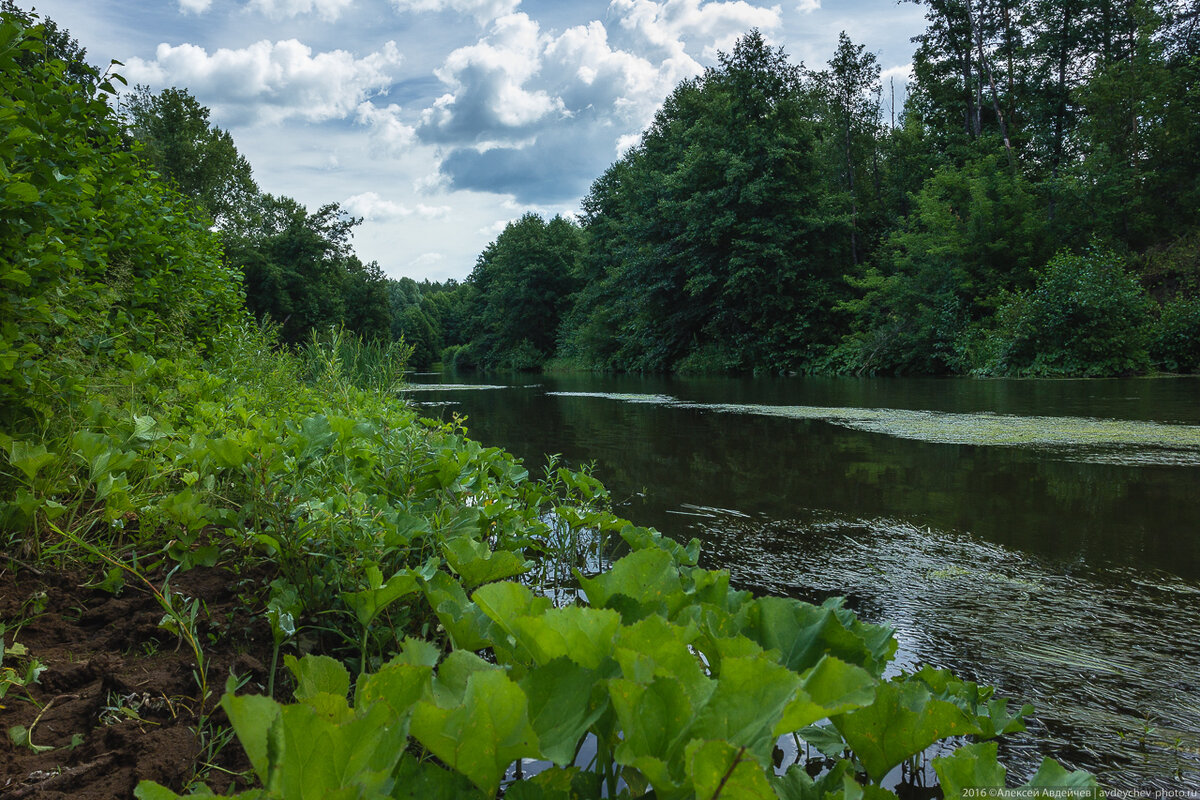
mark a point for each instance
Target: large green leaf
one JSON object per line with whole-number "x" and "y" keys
{"x": 453, "y": 675}
{"x": 648, "y": 578}
{"x": 654, "y": 720}
{"x": 903, "y": 721}
{"x": 972, "y": 766}
{"x": 1052, "y": 775}
{"x": 653, "y": 646}
{"x": 29, "y": 458}
{"x": 853, "y": 790}
{"x": 369, "y": 602}
{"x": 464, "y": 621}
{"x": 319, "y": 757}
{"x": 797, "y": 784}
{"x": 825, "y": 738}
{"x": 253, "y": 717}
{"x": 556, "y": 783}
{"x": 484, "y": 734}
{"x": 562, "y": 705}
{"x": 582, "y": 634}
{"x": 476, "y": 563}
{"x": 423, "y": 780}
{"x": 398, "y": 685}
{"x": 803, "y": 633}
{"x": 831, "y": 687}
{"x": 317, "y": 674}
{"x": 719, "y": 769}
{"x": 748, "y": 701}
{"x": 506, "y": 601}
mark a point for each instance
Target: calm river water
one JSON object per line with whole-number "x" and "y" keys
{"x": 1041, "y": 536}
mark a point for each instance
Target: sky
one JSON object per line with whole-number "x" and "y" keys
{"x": 439, "y": 121}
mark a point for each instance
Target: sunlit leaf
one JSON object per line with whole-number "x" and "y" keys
{"x": 719, "y": 769}
{"x": 483, "y": 735}
{"x": 902, "y": 722}
{"x": 972, "y": 766}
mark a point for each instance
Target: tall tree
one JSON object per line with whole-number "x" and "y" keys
{"x": 57, "y": 46}
{"x": 714, "y": 246}
{"x": 179, "y": 141}
{"x": 297, "y": 265}
{"x": 851, "y": 89}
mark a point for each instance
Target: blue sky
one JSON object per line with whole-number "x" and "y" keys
{"x": 439, "y": 121}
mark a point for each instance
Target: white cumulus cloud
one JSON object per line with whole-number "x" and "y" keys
{"x": 808, "y": 6}
{"x": 676, "y": 25}
{"x": 589, "y": 72}
{"x": 388, "y": 135}
{"x": 328, "y": 10}
{"x": 536, "y": 114}
{"x": 489, "y": 98}
{"x": 270, "y": 81}
{"x": 483, "y": 10}
{"x": 374, "y": 208}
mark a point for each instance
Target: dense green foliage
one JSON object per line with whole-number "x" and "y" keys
{"x": 151, "y": 425}
{"x": 523, "y": 284}
{"x": 681, "y": 685}
{"x": 180, "y": 143}
{"x": 770, "y": 220}
{"x": 709, "y": 233}
{"x": 99, "y": 259}
{"x": 1084, "y": 316}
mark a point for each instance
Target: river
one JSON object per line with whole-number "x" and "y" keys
{"x": 1040, "y": 536}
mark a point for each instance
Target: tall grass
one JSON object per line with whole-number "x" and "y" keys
{"x": 336, "y": 358}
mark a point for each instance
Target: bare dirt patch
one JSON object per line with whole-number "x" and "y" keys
{"x": 118, "y": 701}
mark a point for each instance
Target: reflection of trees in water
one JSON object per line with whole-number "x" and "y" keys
{"x": 1028, "y": 499}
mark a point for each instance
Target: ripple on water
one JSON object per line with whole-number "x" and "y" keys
{"x": 1107, "y": 656}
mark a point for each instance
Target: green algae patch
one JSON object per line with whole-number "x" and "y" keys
{"x": 652, "y": 399}
{"x": 991, "y": 429}
{"x": 445, "y": 387}
{"x": 1130, "y": 442}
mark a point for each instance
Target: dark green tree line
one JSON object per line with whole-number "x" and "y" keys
{"x": 770, "y": 220}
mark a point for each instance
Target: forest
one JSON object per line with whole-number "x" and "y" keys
{"x": 233, "y": 559}
{"x": 1030, "y": 210}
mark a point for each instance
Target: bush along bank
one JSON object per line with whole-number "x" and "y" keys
{"x": 149, "y": 429}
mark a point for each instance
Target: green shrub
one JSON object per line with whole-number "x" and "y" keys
{"x": 459, "y": 357}
{"x": 98, "y": 257}
{"x": 1085, "y": 316}
{"x": 521, "y": 357}
{"x": 1175, "y": 335}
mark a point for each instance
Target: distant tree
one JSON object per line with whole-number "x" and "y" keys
{"x": 524, "y": 280}
{"x": 297, "y": 265}
{"x": 850, "y": 89}
{"x": 368, "y": 306}
{"x": 709, "y": 241}
{"x": 416, "y": 329}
